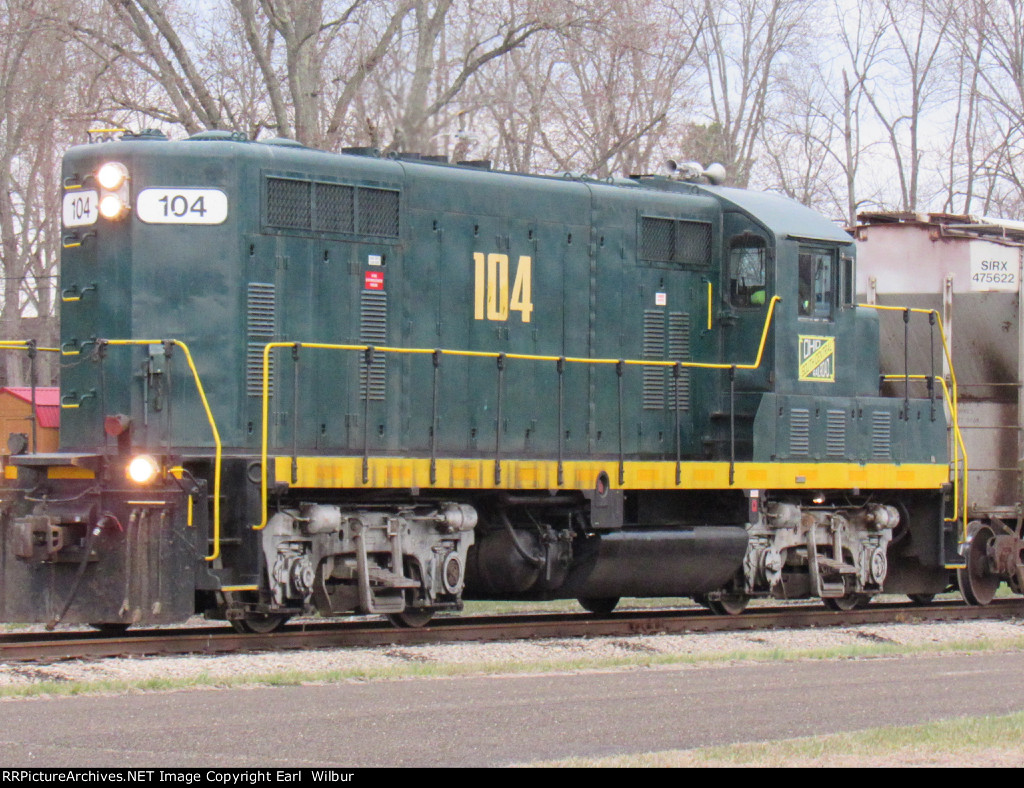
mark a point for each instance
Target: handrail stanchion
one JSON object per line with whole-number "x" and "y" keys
{"x": 906, "y": 364}
{"x": 619, "y": 370}
{"x": 436, "y": 357}
{"x": 368, "y": 362}
{"x": 497, "y": 429}
{"x": 732, "y": 426}
{"x": 295, "y": 411}
{"x": 32, "y": 382}
{"x": 560, "y": 366}
{"x": 677, "y": 372}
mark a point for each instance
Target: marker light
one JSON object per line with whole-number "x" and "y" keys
{"x": 143, "y": 469}
{"x": 111, "y": 175}
{"x": 111, "y": 206}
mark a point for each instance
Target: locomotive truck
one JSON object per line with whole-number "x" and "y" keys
{"x": 298, "y": 381}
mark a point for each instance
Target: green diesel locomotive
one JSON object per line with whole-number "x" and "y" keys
{"x": 296, "y": 381}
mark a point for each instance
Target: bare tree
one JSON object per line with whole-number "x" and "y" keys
{"x": 742, "y": 50}
{"x": 908, "y": 81}
{"x": 998, "y": 31}
{"x": 814, "y": 143}
{"x": 36, "y": 70}
{"x": 608, "y": 95}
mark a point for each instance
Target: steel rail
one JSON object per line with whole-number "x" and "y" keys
{"x": 42, "y": 647}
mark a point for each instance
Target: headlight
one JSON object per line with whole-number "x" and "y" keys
{"x": 111, "y": 206}
{"x": 143, "y": 469}
{"x": 111, "y": 175}
{"x": 114, "y": 192}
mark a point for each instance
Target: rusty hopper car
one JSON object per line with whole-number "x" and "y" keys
{"x": 968, "y": 270}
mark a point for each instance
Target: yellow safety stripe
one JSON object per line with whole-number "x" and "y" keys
{"x": 479, "y": 474}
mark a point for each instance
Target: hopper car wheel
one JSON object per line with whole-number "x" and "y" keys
{"x": 847, "y": 603}
{"x": 922, "y": 599}
{"x": 728, "y": 604}
{"x": 599, "y": 606}
{"x": 259, "y": 626}
{"x": 412, "y": 617}
{"x": 111, "y": 628}
{"x": 977, "y": 583}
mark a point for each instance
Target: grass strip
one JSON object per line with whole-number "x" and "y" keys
{"x": 966, "y": 741}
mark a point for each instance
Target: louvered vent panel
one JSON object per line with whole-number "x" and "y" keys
{"x": 373, "y": 330}
{"x": 261, "y": 322}
{"x": 335, "y": 208}
{"x": 288, "y": 203}
{"x": 835, "y": 433}
{"x": 654, "y": 348}
{"x": 800, "y": 432}
{"x": 679, "y": 350}
{"x": 881, "y": 435}
{"x": 378, "y": 212}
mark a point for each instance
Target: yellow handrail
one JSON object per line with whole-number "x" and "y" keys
{"x": 954, "y": 406}
{"x": 958, "y": 439}
{"x": 10, "y": 344}
{"x": 942, "y": 336}
{"x": 24, "y": 344}
{"x": 209, "y": 416}
{"x": 264, "y": 449}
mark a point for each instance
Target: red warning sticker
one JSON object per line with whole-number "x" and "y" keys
{"x": 374, "y": 280}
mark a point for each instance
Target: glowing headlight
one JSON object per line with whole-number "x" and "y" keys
{"x": 111, "y": 175}
{"x": 111, "y": 206}
{"x": 143, "y": 469}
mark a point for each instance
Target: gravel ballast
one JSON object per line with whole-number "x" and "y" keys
{"x": 553, "y": 654}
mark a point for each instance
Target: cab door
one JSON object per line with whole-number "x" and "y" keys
{"x": 748, "y": 287}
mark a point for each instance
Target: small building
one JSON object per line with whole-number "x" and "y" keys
{"x": 16, "y": 418}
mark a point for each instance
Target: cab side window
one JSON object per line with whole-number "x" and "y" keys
{"x": 748, "y": 270}
{"x": 816, "y": 286}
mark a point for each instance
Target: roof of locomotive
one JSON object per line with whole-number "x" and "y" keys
{"x": 782, "y": 216}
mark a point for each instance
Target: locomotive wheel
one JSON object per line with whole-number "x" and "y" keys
{"x": 111, "y": 628}
{"x": 411, "y": 617}
{"x": 259, "y": 626}
{"x": 599, "y": 606}
{"x": 922, "y": 599}
{"x": 728, "y": 604}
{"x": 846, "y": 603}
{"x": 977, "y": 583}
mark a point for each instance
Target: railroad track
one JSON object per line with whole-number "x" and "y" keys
{"x": 51, "y": 647}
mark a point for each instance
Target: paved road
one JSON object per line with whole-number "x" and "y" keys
{"x": 495, "y": 721}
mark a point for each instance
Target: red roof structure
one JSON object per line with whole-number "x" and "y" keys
{"x": 47, "y": 403}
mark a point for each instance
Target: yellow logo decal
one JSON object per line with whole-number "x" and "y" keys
{"x": 817, "y": 359}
